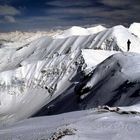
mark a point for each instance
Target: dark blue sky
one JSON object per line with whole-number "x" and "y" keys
{"x": 46, "y": 14}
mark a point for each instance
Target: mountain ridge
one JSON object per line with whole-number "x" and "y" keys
{"x": 36, "y": 73}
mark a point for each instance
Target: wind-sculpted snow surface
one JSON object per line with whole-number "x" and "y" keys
{"x": 37, "y": 73}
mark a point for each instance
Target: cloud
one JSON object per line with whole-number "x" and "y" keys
{"x": 38, "y": 15}
{"x": 6, "y": 10}
{"x": 66, "y": 3}
{"x": 96, "y": 14}
{"x": 8, "y": 13}
{"x": 75, "y": 12}
{"x": 115, "y": 3}
{"x": 9, "y": 19}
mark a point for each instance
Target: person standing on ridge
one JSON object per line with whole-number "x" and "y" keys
{"x": 128, "y": 45}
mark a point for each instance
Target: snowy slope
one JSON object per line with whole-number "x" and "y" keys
{"x": 96, "y": 29}
{"x": 93, "y": 57}
{"x": 79, "y": 31}
{"x": 84, "y": 125}
{"x": 34, "y": 74}
{"x": 135, "y": 29}
{"x": 75, "y": 30}
{"x": 114, "y": 82}
{"x": 122, "y": 35}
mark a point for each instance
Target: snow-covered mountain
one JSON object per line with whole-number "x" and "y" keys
{"x": 79, "y": 68}
{"x": 114, "y": 82}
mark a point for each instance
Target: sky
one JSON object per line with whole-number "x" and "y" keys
{"x": 28, "y": 15}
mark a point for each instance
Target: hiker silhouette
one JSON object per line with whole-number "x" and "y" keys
{"x": 128, "y": 45}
